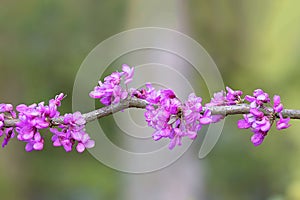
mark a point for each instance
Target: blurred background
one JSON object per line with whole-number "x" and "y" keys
{"x": 255, "y": 44}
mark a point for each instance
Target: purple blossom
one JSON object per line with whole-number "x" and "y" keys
{"x": 6, "y": 107}
{"x": 110, "y": 91}
{"x": 151, "y": 95}
{"x": 263, "y": 124}
{"x": 258, "y": 99}
{"x": 84, "y": 142}
{"x": 233, "y": 96}
{"x": 174, "y": 120}
{"x": 57, "y": 100}
{"x": 119, "y": 94}
{"x": 164, "y": 132}
{"x": 128, "y": 72}
{"x": 31, "y": 118}
{"x": 194, "y": 103}
{"x": 34, "y": 118}
{"x": 74, "y": 120}
{"x": 51, "y": 111}
{"x": 260, "y": 95}
{"x": 176, "y": 138}
{"x": 205, "y": 118}
{"x": 2, "y": 118}
{"x": 72, "y": 131}
{"x": 113, "y": 79}
{"x": 104, "y": 92}
{"x": 138, "y": 93}
{"x": 219, "y": 99}
{"x": 260, "y": 123}
{"x": 60, "y": 138}
{"x": 282, "y": 123}
{"x": 9, "y": 133}
{"x": 191, "y": 121}
{"x": 169, "y": 101}
{"x": 36, "y": 143}
{"x": 257, "y": 138}
{"x": 164, "y": 118}
{"x": 246, "y": 122}
{"x": 278, "y": 107}
{"x": 158, "y": 119}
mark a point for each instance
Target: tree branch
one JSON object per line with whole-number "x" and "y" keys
{"x": 139, "y": 103}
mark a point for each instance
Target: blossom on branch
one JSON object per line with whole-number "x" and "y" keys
{"x": 259, "y": 122}
{"x": 170, "y": 117}
{"x": 71, "y": 131}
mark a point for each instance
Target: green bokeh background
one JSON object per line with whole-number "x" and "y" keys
{"x": 254, "y": 44}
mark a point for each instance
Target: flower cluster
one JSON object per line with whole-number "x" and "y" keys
{"x": 110, "y": 91}
{"x": 259, "y": 122}
{"x": 172, "y": 119}
{"x": 33, "y": 118}
{"x": 72, "y": 130}
{"x": 232, "y": 97}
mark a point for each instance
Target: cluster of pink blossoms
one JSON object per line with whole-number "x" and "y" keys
{"x": 71, "y": 131}
{"x": 170, "y": 117}
{"x": 174, "y": 119}
{"x": 165, "y": 112}
{"x": 110, "y": 91}
{"x": 259, "y": 122}
{"x": 33, "y": 118}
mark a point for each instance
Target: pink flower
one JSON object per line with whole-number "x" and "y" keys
{"x": 85, "y": 142}
{"x": 110, "y": 91}
{"x": 34, "y": 118}
{"x": 257, "y": 138}
{"x": 172, "y": 119}
{"x": 72, "y": 132}
{"x": 258, "y": 99}
{"x": 282, "y": 123}
{"x": 233, "y": 96}
{"x": 278, "y": 107}
{"x": 129, "y": 72}
{"x": 219, "y": 99}
{"x": 36, "y": 143}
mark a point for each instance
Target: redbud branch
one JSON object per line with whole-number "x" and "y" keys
{"x": 139, "y": 103}
{"x": 105, "y": 111}
{"x": 245, "y": 109}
